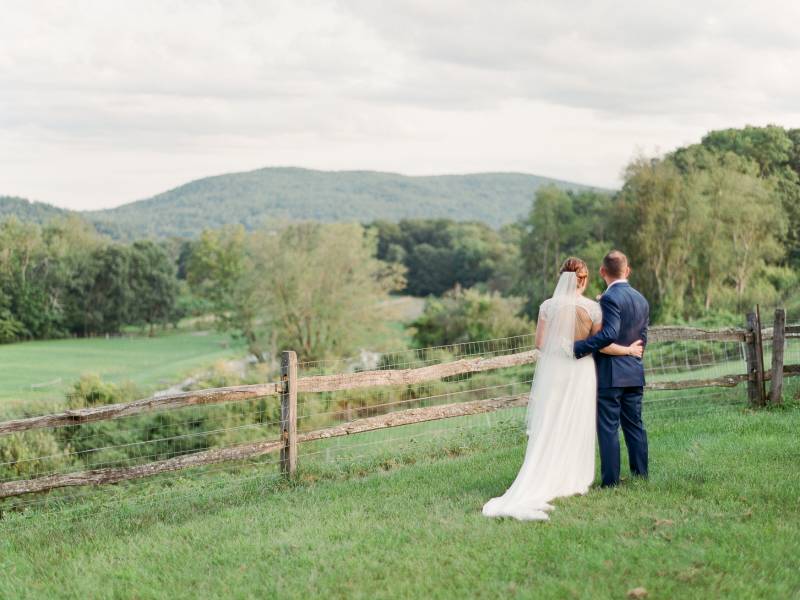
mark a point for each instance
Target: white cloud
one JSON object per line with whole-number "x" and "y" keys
{"x": 104, "y": 102}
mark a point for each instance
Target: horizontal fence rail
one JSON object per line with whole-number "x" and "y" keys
{"x": 104, "y": 476}
{"x": 254, "y": 450}
{"x": 671, "y": 333}
{"x": 290, "y": 385}
{"x": 155, "y": 403}
{"x": 364, "y": 379}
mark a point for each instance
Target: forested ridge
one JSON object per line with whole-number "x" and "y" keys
{"x": 25, "y": 210}
{"x": 284, "y": 194}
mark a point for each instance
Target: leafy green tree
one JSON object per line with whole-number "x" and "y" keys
{"x": 221, "y": 270}
{"x": 743, "y": 232}
{"x": 700, "y": 227}
{"x": 776, "y": 151}
{"x": 11, "y": 328}
{"x": 153, "y": 285}
{"x": 73, "y": 245}
{"x": 64, "y": 278}
{"x": 551, "y": 233}
{"x": 560, "y": 224}
{"x": 654, "y": 223}
{"x": 106, "y": 296}
{"x": 309, "y": 287}
{"x": 24, "y": 275}
{"x": 507, "y": 264}
{"x": 439, "y": 253}
{"x": 319, "y": 286}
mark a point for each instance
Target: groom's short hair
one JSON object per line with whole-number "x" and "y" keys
{"x": 615, "y": 263}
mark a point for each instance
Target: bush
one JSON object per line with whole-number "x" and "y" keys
{"x": 32, "y": 454}
{"x": 90, "y": 390}
{"x": 11, "y": 329}
{"x": 221, "y": 374}
{"x": 462, "y": 316}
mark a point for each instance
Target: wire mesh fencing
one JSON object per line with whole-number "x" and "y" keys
{"x": 327, "y": 408}
{"x": 137, "y": 442}
{"x": 124, "y": 444}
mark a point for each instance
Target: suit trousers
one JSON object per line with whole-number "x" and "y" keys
{"x": 620, "y": 406}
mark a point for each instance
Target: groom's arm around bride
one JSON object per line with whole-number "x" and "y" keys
{"x": 620, "y": 379}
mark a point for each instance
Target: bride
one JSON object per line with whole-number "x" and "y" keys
{"x": 559, "y": 459}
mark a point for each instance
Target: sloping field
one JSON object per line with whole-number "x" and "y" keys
{"x": 37, "y": 374}
{"x": 720, "y": 517}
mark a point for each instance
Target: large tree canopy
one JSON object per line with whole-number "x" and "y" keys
{"x": 310, "y": 287}
{"x": 711, "y": 227}
{"x": 64, "y": 279}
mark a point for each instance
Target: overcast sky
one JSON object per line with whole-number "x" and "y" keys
{"x": 106, "y": 102}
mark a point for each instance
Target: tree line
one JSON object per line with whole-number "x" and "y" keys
{"x": 710, "y": 229}
{"x": 65, "y": 279}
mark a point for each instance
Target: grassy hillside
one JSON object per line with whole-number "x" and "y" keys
{"x": 719, "y": 518}
{"x": 36, "y": 374}
{"x": 285, "y": 194}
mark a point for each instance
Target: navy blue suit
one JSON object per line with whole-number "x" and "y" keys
{"x": 620, "y": 380}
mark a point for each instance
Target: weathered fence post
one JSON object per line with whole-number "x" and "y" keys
{"x": 762, "y": 381}
{"x": 778, "y": 339}
{"x": 755, "y": 361}
{"x": 289, "y": 412}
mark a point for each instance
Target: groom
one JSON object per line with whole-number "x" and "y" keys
{"x": 620, "y": 379}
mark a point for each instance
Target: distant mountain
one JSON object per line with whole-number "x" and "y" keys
{"x": 292, "y": 194}
{"x": 25, "y": 210}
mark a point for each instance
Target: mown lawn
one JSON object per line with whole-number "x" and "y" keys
{"x": 35, "y": 375}
{"x": 720, "y": 517}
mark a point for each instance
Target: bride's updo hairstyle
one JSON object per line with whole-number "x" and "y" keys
{"x": 575, "y": 265}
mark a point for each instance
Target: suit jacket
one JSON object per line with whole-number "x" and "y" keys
{"x": 626, "y": 316}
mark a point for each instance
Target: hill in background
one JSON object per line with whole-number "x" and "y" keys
{"x": 24, "y": 210}
{"x": 292, "y": 194}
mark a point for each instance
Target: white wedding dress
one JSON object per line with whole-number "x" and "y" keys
{"x": 559, "y": 459}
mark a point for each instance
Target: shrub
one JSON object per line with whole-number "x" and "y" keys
{"x": 165, "y": 434}
{"x": 462, "y": 316}
{"x": 32, "y": 454}
{"x": 90, "y": 390}
{"x": 11, "y": 329}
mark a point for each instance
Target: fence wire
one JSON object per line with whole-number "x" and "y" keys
{"x": 158, "y": 436}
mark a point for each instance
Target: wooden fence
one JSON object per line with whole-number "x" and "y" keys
{"x": 753, "y": 337}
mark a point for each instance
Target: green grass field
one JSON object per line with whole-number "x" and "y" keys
{"x": 720, "y": 517}
{"x": 37, "y": 374}
{"x": 396, "y": 513}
